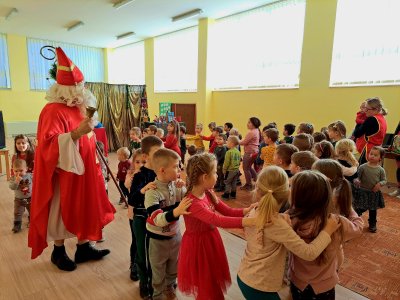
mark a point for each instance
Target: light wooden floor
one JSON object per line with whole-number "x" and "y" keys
{"x": 23, "y": 278}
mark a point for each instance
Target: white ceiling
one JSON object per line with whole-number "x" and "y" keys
{"x": 48, "y": 19}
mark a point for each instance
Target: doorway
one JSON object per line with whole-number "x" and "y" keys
{"x": 187, "y": 112}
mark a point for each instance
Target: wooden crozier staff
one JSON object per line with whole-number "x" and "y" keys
{"x": 89, "y": 113}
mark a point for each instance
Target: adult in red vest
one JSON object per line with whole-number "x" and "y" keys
{"x": 372, "y": 131}
{"x": 68, "y": 196}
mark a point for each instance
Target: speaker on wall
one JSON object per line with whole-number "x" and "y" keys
{"x": 2, "y": 133}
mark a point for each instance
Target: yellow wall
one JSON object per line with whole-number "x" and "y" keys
{"x": 20, "y": 103}
{"x": 314, "y": 101}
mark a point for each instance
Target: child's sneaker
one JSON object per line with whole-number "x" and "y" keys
{"x": 17, "y": 226}
{"x": 233, "y": 195}
{"x": 394, "y": 193}
{"x": 372, "y": 228}
{"x": 134, "y": 272}
{"x": 225, "y": 196}
{"x": 170, "y": 292}
{"x": 144, "y": 291}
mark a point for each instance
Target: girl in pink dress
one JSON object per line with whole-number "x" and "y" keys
{"x": 172, "y": 139}
{"x": 203, "y": 268}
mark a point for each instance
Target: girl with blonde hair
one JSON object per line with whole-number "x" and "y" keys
{"x": 261, "y": 270}
{"x": 345, "y": 149}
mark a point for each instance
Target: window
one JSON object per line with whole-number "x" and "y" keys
{"x": 260, "y": 48}
{"x": 175, "y": 61}
{"x": 366, "y": 47}
{"x": 88, "y": 59}
{"x": 4, "y": 67}
{"x": 126, "y": 65}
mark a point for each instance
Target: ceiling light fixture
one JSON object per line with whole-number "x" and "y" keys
{"x": 125, "y": 35}
{"x": 119, "y": 4}
{"x": 75, "y": 26}
{"x": 187, "y": 15}
{"x": 12, "y": 12}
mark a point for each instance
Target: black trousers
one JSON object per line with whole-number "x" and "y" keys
{"x": 309, "y": 294}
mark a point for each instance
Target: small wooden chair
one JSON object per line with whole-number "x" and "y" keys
{"x": 4, "y": 152}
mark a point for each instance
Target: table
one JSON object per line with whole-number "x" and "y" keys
{"x": 4, "y": 152}
{"x": 102, "y": 137}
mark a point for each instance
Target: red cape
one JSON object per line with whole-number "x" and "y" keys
{"x": 85, "y": 207}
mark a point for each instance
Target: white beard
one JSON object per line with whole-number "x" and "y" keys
{"x": 73, "y": 95}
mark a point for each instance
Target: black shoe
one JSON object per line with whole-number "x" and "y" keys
{"x": 134, "y": 273}
{"x": 225, "y": 196}
{"x": 372, "y": 228}
{"x": 233, "y": 195}
{"x": 144, "y": 291}
{"x": 60, "y": 258}
{"x": 86, "y": 252}
{"x": 17, "y": 226}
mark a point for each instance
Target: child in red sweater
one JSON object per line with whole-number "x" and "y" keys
{"x": 172, "y": 139}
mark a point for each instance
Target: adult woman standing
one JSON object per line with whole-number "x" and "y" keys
{"x": 250, "y": 143}
{"x": 372, "y": 131}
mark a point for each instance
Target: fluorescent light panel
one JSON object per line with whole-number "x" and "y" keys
{"x": 122, "y": 3}
{"x": 125, "y": 35}
{"x": 186, "y": 15}
{"x": 75, "y": 26}
{"x": 12, "y": 12}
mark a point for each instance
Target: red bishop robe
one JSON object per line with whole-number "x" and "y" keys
{"x": 85, "y": 208}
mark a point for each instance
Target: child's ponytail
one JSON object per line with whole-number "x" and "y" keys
{"x": 267, "y": 207}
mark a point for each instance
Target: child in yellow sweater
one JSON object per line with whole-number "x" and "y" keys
{"x": 197, "y": 139}
{"x": 270, "y": 135}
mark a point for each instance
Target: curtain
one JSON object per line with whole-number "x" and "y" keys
{"x": 4, "y": 66}
{"x": 259, "y": 48}
{"x": 119, "y": 109}
{"x": 366, "y": 50}
{"x": 175, "y": 61}
{"x": 89, "y": 60}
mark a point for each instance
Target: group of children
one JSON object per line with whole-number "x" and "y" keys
{"x": 327, "y": 188}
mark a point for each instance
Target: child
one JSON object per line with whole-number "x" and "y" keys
{"x": 146, "y": 132}
{"x": 211, "y": 138}
{"x": 230, "y": 168}
{"x": 344, "y": 150}
{"x": 136, "y": 163}
{"x": 235, "y": 132}
{"x": 141, "y": 182}
{"x": 219, "y": 153}
{"x": 325, "y": 131}
{"x": 311, "y": 196}
{"x": 134, "y": 135}
{"x": 323, "y": 150}
{"x": 336, "y": 131}
{"x": 215, "y": 132}
{"x": 192, "y": 150}
{"x": 360, "y": 117}
{"x": 104, "y": 170}
{"x": 301, "y": 161}
{"x": 172, "y": 139}
{"x": 367, "y": 194}
{"x": 262, "y": 267}
{"x": 201, "y": 245}
{"x": 283, "y": 156}
{"x": 259, "y": 162}
{"x": 23, "y": 149}
{"x": 123, "y": 167}
{"x": 160, "y": 133}
{"x": 267, "y": 153}
{"x": 198, "y": 141}
{"x": 288, "y": 130}
{"x": 250, "y": 143}
{"x": 21, "y": 184}
{"x": 227, "y": 127}
{"x": 303, "y": 142}
{"x": 182, "y": 143}
{"x": 152, "y": 130}
{"x": 164, "y": 205}
{"x": 307, "y": 128}
{"x": 318, "y": 137}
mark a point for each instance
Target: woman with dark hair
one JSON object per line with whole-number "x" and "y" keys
{"x": 372, "y": 131}
{"x": 250, "y": 143}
